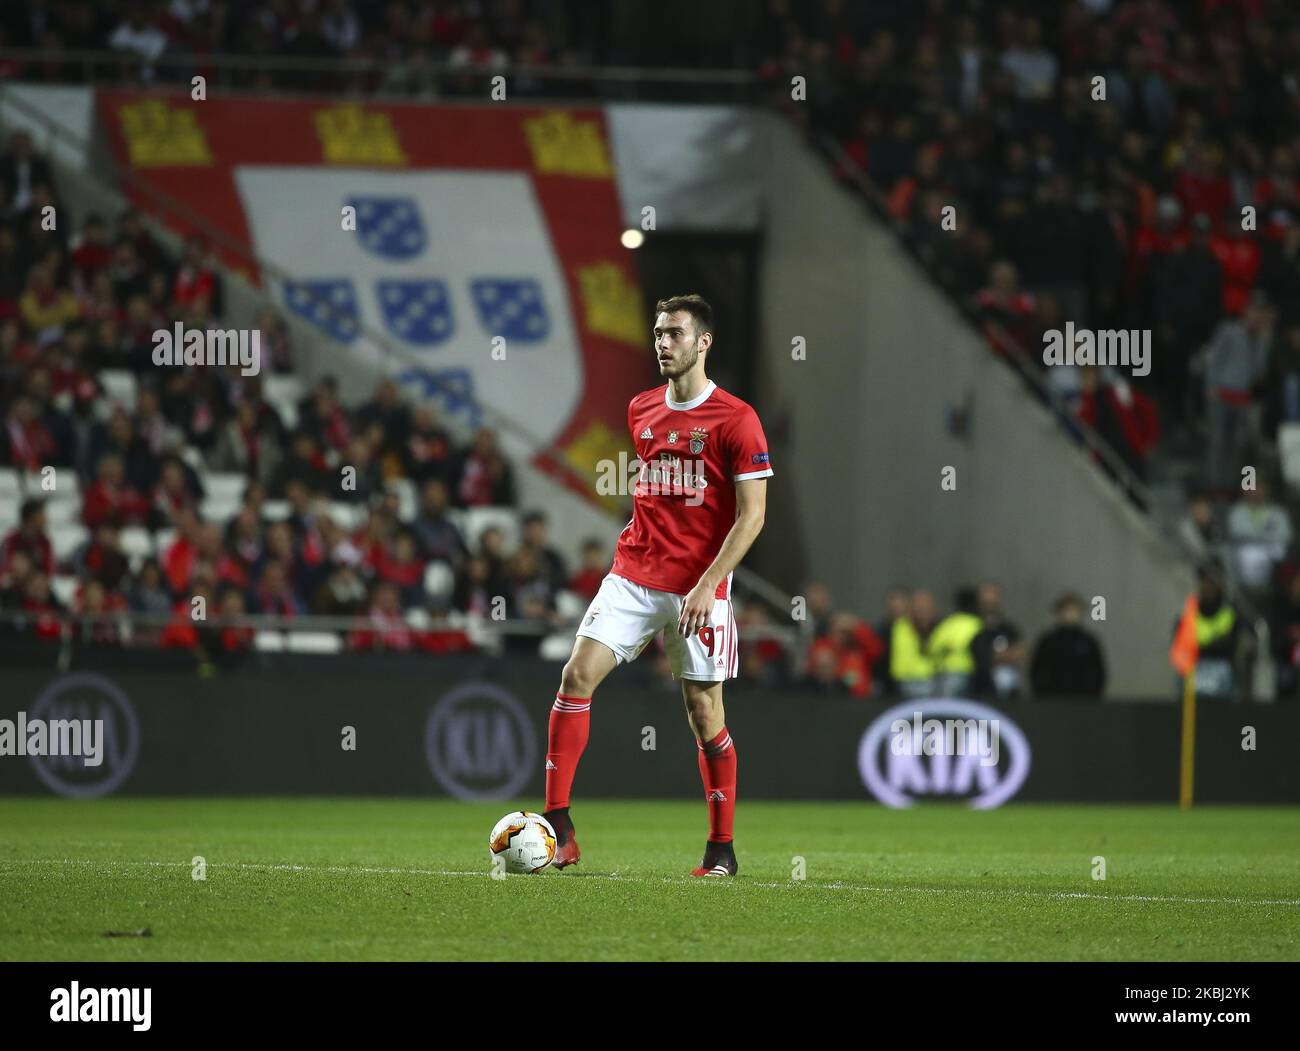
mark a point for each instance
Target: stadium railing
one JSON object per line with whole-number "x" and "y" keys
{"x": 281, "y": 75}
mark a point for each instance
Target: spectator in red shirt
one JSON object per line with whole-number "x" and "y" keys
{"x": 586, "y": 582}
{"x": 485, "y": 477}
{"x": 29, "y": 538}
{"x": 762, "y": 660}
{"x": 179, "y": 558}
{"x": 13, "y": 579}
{"x": 196, "y": 279}
{"x": 1201, "y": 187}
{"x": 275, "y": 595}
{"x": 855, "y": 647}
{"x": 28, "y": 443}
{"x": 399, "y": 564}
{"x": 1002, "y": 303}
{"x": 44, "y": 607}
{"x": 92, "y": 255}
{"x": 1239, "y": 256}
{"x": 94, "y": 600}
{"x": 233, "y": 640}
{"x": 1122, "y": 415}
{"x": 110, "y": 497}
{"x": 182, "y": 632}
{"x": 102, "y": 559}
{"x": 387, "y": 628}
{"x": 171, "y": 495}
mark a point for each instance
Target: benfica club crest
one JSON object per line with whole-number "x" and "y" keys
{"x": 697, "y": 441}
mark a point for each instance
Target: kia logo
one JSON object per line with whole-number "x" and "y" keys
{"x": 480, "y": 743}
{"x": 84, "y": 696}
{"x": 939, "y": 748}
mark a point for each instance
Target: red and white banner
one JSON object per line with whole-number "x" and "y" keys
{"x": 461, "y": 233}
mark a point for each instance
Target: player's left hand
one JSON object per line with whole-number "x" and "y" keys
{"x": 696, "y": 609}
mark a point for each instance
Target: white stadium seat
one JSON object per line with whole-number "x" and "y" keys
{"x": 119, "y": 385}
{"x": 314, "y": 642}
{"x": 268, "y": 642}
{"x": 276, "y": 510}
{"x": 137, "y": 545}
{"x": 478, "y": 519}
{"x": 219, "y": 509}
{"x": 62, "y": 511}
{"x": 556, "y": 647}
{"x": 1288, "y": 447}
{"x": 162, "y": 540}
{"x": 194, "y": 460}
{"x": 219, "y": 485}
{"x": 407, "y": 501}
{"x": 570, "y": 604}
{"x": 348, "y": 517}
{"x": 64, "y": 589}
{"x": 65, "y": 539}
{"x": 418, "y": 619}
{"x": 67, "y": 486}
{"x": 439, "y": 579}
{"x": 283, "y": 393}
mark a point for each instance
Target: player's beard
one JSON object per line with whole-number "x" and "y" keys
{"x": 689, "y": 358}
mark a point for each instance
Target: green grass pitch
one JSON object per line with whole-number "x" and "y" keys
{"x": 408, "y": 879}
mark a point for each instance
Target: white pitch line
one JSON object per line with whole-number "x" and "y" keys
{"x": 838, "y": 885}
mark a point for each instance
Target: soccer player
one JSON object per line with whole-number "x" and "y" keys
{"x": 698, "y": 504}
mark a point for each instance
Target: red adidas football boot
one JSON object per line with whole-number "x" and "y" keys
{"x": 719, "y": 860}
{"x": 566, "y": 843}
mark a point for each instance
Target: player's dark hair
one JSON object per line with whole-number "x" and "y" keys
{"x": 694, "y": 305}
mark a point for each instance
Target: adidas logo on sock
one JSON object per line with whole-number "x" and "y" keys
{"x": 646, "y": 434}
{"x": 716, "y": 796}
{"x": 550, "y": 765}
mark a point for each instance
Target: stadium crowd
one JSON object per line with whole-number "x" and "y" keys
{"x": 1115, "y": 165}
{"x": 1112, "y": 204}
{"x": 401, "y": 43}
{"x": 74, "y": 313}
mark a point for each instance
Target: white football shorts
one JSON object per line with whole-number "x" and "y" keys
{"x": 626, "y": 616}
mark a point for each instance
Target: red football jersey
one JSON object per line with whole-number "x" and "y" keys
{"x": 691, "y": 455}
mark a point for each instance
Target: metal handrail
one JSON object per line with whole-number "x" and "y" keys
{"x": 90, "y": 58}
{"x": 788, "y": 637}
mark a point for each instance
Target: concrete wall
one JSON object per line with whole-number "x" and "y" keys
{"x": 856, "y": 499}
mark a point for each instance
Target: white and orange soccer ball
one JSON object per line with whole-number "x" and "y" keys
{"x": 524, "y": 841}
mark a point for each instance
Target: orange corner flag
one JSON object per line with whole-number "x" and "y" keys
{"x": 1184, "y": 652}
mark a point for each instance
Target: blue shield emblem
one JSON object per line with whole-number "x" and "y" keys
{"x": 389, "y": 227}
{"x": 417, "y": 311}
{"x": 511, "y": 307}
{"x": 452, "y": 390}
{"x": 329, "y": 303}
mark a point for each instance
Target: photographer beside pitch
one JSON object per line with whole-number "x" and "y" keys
{"x": 698, "y": 505}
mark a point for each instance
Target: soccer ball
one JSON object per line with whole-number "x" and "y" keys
{"x": 524, "y": 841}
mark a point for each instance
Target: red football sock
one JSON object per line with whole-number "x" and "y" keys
{"x": 566, "y": 737}
{"x": 718, "y": 772}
